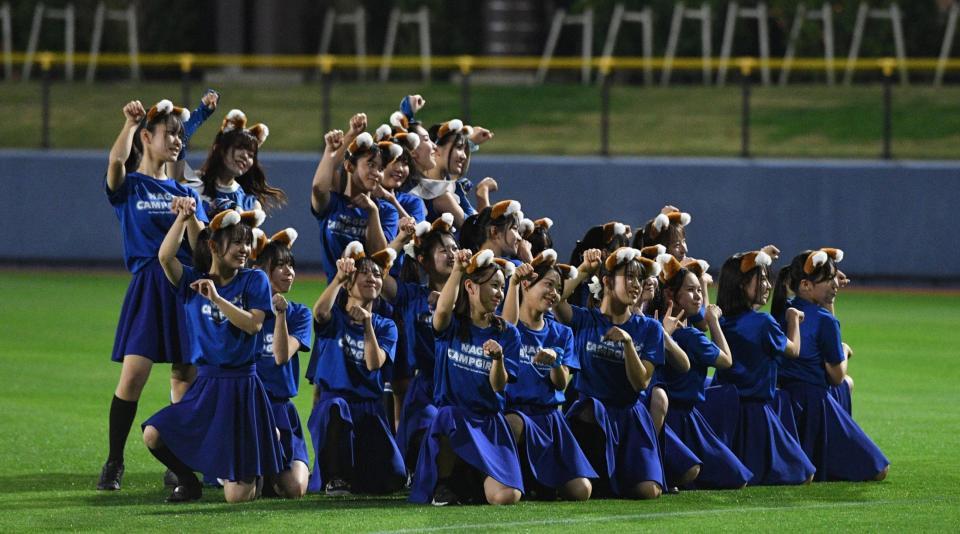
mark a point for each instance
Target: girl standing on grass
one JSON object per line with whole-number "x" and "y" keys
{"x": 342, "y": 202}
{"x": 149, "y": 329}
{"x": 681, "y": 294}
{"x": 757, "y": 344}
{"x": 618, "y": 351}
{"x": 278, "y": 364}
{"x": 552, "y": 460}
{"x": 832, "y": 441}
{"x": 232, "y": 177}
{"x": 468, "y": 453}
{"x": 224, "y": 425}
{"x": 353, "y": 442}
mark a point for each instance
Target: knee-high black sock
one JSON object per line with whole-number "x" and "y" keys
{"x": 184, "y": 474}
{"x": 122, "y": 414}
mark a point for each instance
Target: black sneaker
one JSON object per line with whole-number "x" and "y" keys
{"x": 110, "y": 476}
{"x": 443, "y": 496}
{"x": 170, "y": 479}
{"x": 337, "y": 487}
{"x": 186, "y": 493}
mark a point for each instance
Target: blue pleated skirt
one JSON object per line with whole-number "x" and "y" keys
{"x": 367, "y": 443}
{"x": 416, "y": 415}
{"x": 831, "y": 439}
{"x": 767, "y": 448}
{"x": 632, "y": 451}
{"x": 149, "y": 324}
{"x": 483, "y": 441}
{"x": 291, "y": 432}
{"x": 843, "y": 395}
{"x": 721, "y": 410}
{"x": 224, "y": 426}
{"x": 721, "y": 469}
{"x": 550, "y": 454}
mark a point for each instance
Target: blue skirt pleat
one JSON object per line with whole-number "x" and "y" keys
{"x": 483, "y": 441}
{"x": 721, "y": 469}
{"x": 149, "y": 324}
{"x": 416, "y": 415}
{"x": 831, "y": 439}
{"x": 632, "y": 451}
{"x": 721, "y": 410}
{"x": 677, "y": 457}
{"x": 767, "y": 448}
{"x": 552, "y": 455}
{"x": 292, "y": 440}
{"x": 223, "y": 426}
{"x": 367, "y": 442}
{"x": 843, "y": 395}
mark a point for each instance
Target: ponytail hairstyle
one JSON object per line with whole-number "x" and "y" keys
{"x": 663, "y": 230}
{"x": 814, "y": 266}
{"x": 426, "y": 238}
{"x": 537, "y": 233}
{"x": 476, "y": 228}
{"x": 736, "y": 273}
{"x": 235, "y": 134}
{"x": 163, "y": 112}
{"x": 481, "y": 268}
{"x": 606, "y": 237}
{"x": 225, "y": 228}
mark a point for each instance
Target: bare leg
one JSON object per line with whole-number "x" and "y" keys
{"x": 241, "y": 491}
{"x": 578, "y": 489}
{"x": 659, "y": 403}
{"x": 516, "y": 427}
{"x": 292, "y": 483}
{"x": 497, "y": 493}
{"x": 182, "y": 376}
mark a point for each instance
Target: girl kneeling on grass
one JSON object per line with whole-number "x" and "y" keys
{"x": 830, "y": 437}
{"x": 618, "y": 351}
{"x": 468, "y": 453}
{"x": 278, "y": 365}
{"x": 552, "y": 460}
{"x": 224, "y": 425}
{"x": 353, "y": 442}
{"x": 757, "y": 343}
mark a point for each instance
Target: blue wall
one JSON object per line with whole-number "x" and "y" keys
{"x": 893, "y": 219}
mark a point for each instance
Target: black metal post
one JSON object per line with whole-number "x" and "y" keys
{"x": 326, "y": 85}
{"x": 887, "y": 118}
{"x": 605, "y": 114}
{"x": 45, "y": 107}
{"x": 465, "y": 97}
{"x": 745, "y": 115}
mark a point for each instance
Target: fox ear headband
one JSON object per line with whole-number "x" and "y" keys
{"x": 166, "y": 107}
{"x": 285, "y": 238}
{"x": 384, "y": 259}
{"x": 612, "y": 229}
{"x": 751, "y": 260}
{"x": 443, "y": 223}
{"x": 662, "y": 221}
{"x": 624, "y": 255}
{"x": 485, "y": 258}
{"x": 818, "y": 257}
{"x": 227, "y": 218}
{"x": 237, "y": 120}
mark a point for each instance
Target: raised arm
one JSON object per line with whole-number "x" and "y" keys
{"x": 483, "y": 190}
{"x": 323, "y": 307}
{"x": 638, "y": 371}
{"x": 712, "y": 317}
{"x": 511, "y": 306}
{"x": 676, "y": 356}
{"x": 185, "y": 208}
{"x": 451, "y": 289}
{"x": 589, "y": 266}
{"x": 133, "y": 113}
{"x": 284, "y": 345}
{"x": 375, "y": 240}
{"x": 333, "y": 151}
{"x": 498, "y": 373}
{"x": 794, "y": 317}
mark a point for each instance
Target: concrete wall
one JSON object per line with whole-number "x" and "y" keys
{"x": 894, "y": 219}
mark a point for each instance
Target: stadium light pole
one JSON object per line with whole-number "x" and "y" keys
{"x": 186, "y": 65}
{"x": 46, "y": 63}
{"x": 606, "y": 81}
{"x": 887, "y": 65}
{"x": 326, "y": 83}
{"x": 465, "y": 63}
{"x": 746, "y": 67}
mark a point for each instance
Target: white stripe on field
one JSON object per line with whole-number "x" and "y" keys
{"x": 653, "y": 515}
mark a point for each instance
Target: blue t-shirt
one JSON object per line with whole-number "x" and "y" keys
{"x": 603, "y": 373}
{"x": 756, "y": 344}
{"x": 412, "y": 303}
{"x": 533, "y": 385}
{"x": 412, "y": 204}
{"x": 340, "y": 223}
{"x": 211, "y": 338}
{"x": 283, "y": 381}
{"x": 703, "y": 354}
{"x": 819, "y": 344}
{"x": 142, "y": 204}
{"x": 337, "y": 363}
{"x": 462, "y": 373}
{"x": 227, "y": 198}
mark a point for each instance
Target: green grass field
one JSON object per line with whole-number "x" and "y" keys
{"x": 56, "y": 333}
{"x": 797, "y": 121}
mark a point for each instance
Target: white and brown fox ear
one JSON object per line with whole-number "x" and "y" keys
{"x": 613, "y": 229}
{"x": 354, "y": 251}
{"x": 479, "y": 260}
{"x": 547, "y": 257}
{"x": 166, "y": 107}
{"x": 454, "y": 126}
{"x": 697, "y": 267}
{"x": 361, "y": 144}
{"x": 286, "y": 237}
{"x": 235, "y": 120}
{"x": 679, "y": 217}
{"x": 260, "y": 132}
{"x": 835, "y": 254}
{"x": 751, "y": 260}
{"x": 653, "y": 251}
{"x": 383, "y": 133}
{"x": 224, "y": 219}
{"x": 569, "y": 272}
{"x": 817, "y": 258}
{"x": 384, "y": 258}
{"x": 392, "y": 150}
{"x": 507, "y": 267}
{"x": 399, "y": 121}
{"x": 544, "y": 223}
{"x": 650, "y": 267}
{"x": 443, "y": 223}
{"x": 620, "y": 256}
{"x": 504, "y": 208}
{"x": 669, "y": 267}
{"x": 525, "y": 228}
{"x": 408, "y": 140}
{"x": 260, "y": 242}
{"x": 253, "y": 218}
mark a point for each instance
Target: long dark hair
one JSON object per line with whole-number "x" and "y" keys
{"x": 461, "y": 309}
{"x": 731, "y": 288}
{"x": 202, "y": 257}
{"x": 644, "y": 238}
{"x": 540, "y": 240}
{"x": 594, "y": 239}
{"x": 410, "y": 272}
{"x": 172, "y": 122}
{"x": 791, "y": 276}
{"x": 253, "y": 182}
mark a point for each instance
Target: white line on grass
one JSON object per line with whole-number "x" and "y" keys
{"x": 653, "y": 515}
